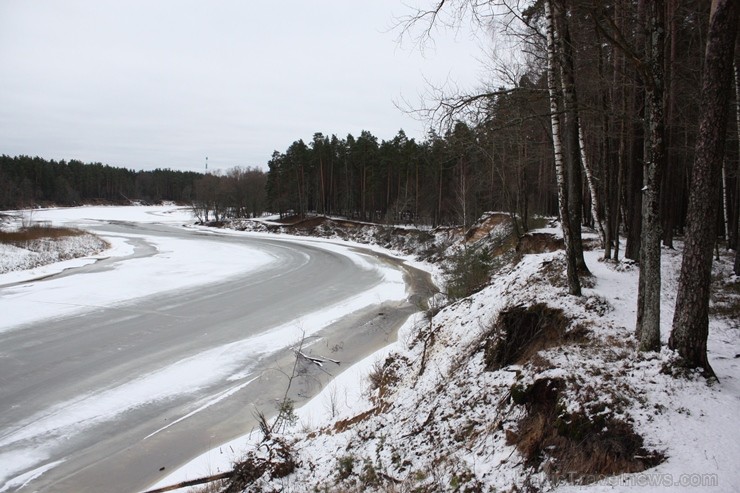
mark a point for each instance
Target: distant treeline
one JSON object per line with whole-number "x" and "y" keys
{"x": 449, "y": 179}
{"x": 28, "y": 181}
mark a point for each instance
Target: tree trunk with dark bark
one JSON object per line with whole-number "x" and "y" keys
{"x": 633, "y": 184}
{"x": 571, "y": 131}
{"x": 737, "y": 174}
{"x": 691, "y": 317}
{"x": 648, "y": 313}
{"x": 608, "y": 162}
{"x": 670, "y": 207}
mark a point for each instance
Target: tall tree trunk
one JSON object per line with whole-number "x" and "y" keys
{"x": 620, "y": 66}
{"x": 364, "y": 192}
{"x": 725, "y": 206}
{"x": 607, "y": 126}
{"x": 323, "y": 186}
{"x": 691, "y": 318}
{"x": 648, "y": 311}
{"x": 634, "y": 179}
{"x": 388, "y": 180}
{"x": 332, "y": 199}
{"x": 522, "y": 192}
{"x": 571, "y": 134}
{"x": 737, "y": 174}
{"x": 618, "y": 216}
{"x": 634, "y": 182}
{"x": 574, "y": 285}
{"x": 299, "y": 188}
{"x": 439, "y": 197}
{"x": 737, "y": 221}
{"x": 669, "y": 207}
{"x": 416, "y": 194}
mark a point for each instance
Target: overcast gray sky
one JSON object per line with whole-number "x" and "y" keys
{"x": 165, "y": 83}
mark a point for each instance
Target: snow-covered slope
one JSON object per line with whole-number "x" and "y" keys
{"x": 429, "y": 244}
{"x": 36, "y": 253}
{"x": 574, "y": 407}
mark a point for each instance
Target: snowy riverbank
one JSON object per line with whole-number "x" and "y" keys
{"x": 432, "y": 412}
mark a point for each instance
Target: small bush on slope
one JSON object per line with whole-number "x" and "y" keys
{"x": 467, "y": 272}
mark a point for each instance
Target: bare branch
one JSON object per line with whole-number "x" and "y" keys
{"x": 192, "y": 482}
{"x": 616, "y": 38}
{"x": 427, "y": 19}
{"x": 443, "y": 106}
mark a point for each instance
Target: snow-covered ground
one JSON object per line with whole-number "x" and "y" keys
{"x": 37, "y": 253}
{"x": 444, "y": 422}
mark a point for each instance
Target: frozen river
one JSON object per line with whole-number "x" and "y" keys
{"x": 116, "y": 372}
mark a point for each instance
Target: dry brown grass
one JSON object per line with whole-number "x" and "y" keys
{"x": 344, "y": 424}
{"x": 539, "y": 243}
{"x": 521, "y": 332}
{"x": 483, "y": 229}
{"x": 33, "y": 233}
{"x": 574, "y": 447}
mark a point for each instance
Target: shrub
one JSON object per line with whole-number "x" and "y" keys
{"x": 520, "y": 332}
{"x": 345, "y": 466}
{"x": 467, "y": 272}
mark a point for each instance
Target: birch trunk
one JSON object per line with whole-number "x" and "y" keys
{"x": 574, "y": 285}
{"x": 595, "y": 203}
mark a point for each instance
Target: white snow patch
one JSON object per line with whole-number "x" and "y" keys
{"x": 20, "y": 481}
